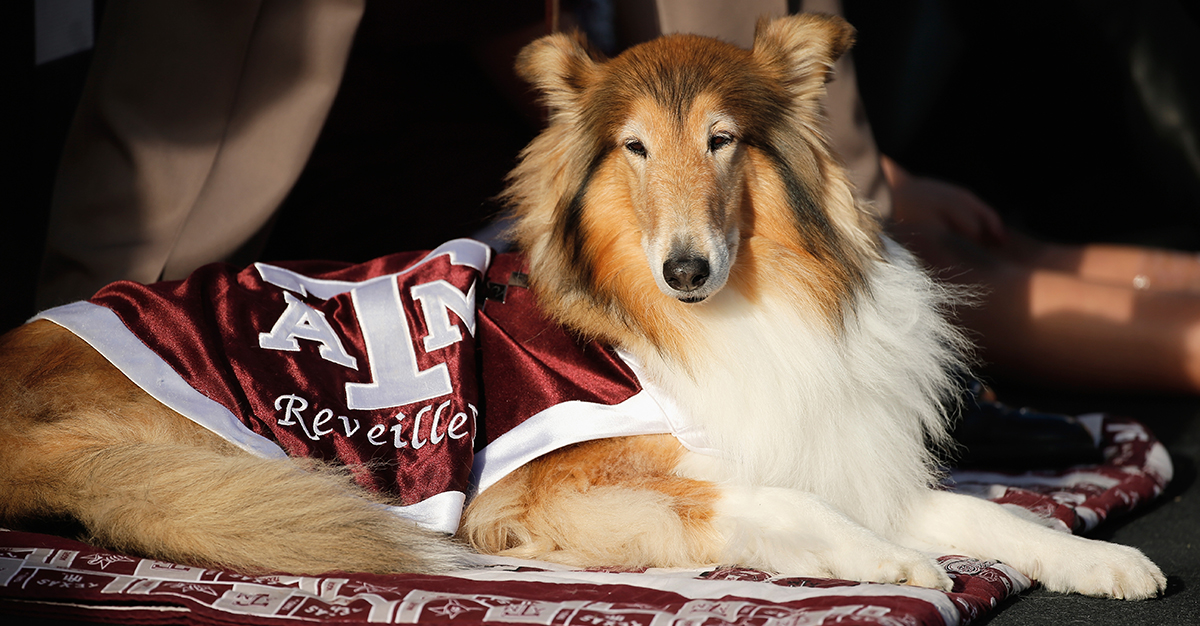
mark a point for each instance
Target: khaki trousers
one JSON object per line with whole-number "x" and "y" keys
{"x": 196, "y": 120}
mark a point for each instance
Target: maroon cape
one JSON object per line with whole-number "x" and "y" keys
{"x": 390, "y": 365}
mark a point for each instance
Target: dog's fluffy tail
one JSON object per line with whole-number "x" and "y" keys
{"x": 192, "y": 505}
{"x": 80, "y": 441}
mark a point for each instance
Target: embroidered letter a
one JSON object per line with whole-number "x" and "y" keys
{"x": 300, "y": 321}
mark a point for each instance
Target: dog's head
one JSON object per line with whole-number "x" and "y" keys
{"x": 661, "y": 152}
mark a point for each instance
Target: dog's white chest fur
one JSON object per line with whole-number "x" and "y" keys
{"x": 790, "y": 404}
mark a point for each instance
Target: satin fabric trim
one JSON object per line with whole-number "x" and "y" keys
{"x": 440, "y": 512}
{"x": 562, "y": 425}
{"x": 104, "y": 331}
{"x": 686, "y": 430}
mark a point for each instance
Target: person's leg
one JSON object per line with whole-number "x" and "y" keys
{"x": 1053, "y": 327}
{"x": 1140, "y": 267}
{"x": 195, "y": 121}
{"x": 292, "y": 70}
{"x": 1048, "y": 325}
{"x": 1056, "y": 314}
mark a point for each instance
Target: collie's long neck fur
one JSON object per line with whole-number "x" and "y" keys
{"x": 775, "y": 387}
{"x": 817, "y": 330}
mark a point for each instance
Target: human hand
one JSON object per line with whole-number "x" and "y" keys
{"x": 929, "y": 204}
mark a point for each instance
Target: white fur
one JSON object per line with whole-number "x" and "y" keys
{"x": 793, "y": 406}
{"x": 961, "y": 524}
{"x": 796, "y": 533}
{"x": 825, "y": 469}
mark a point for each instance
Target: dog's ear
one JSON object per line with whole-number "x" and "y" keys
{"x": 803, "y": 47}
{"x": 560, "y": 66}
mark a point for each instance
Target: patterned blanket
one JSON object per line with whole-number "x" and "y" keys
{"x": 49, "y": 577}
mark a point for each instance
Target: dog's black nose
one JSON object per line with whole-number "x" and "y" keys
{"x": 686, "y": 274}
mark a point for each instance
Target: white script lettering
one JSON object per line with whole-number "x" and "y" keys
{"x": 423, "y": 431}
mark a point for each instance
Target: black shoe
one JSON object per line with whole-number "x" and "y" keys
{"x": 997, "y": 436}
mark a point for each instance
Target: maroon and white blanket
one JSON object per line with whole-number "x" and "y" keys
{"x": 43, "y": 576}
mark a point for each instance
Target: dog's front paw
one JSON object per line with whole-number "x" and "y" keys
{"x": 796, "y": 533}
{"x": 900, "y": 566}
{"x": 869, "y": 559}
{"x": 1106, "y": 570}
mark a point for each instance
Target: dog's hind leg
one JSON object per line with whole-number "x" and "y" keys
{"x": 606, "y": 503}
{"x": 619, "y": 503}
{"x": 960, "y": 524}
{"x": 81, "y": 441}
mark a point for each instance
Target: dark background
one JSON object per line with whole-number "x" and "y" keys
{"x": 1070, "y": 117}
{"x": 1038, "y": 113}
{"x": 1066, "y": 116}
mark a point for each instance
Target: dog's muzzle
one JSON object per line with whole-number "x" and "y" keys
{"x": 687, "y": 275}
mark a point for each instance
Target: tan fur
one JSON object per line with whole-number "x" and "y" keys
{"x": 613, "y": 503}
{"x": 590, "y": 101}
{"x": 556, "y": 508}
{"x": 82, "y": 441}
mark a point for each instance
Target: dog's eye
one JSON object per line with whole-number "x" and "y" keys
{"x": 718, "y": 141}
{"x": 636, "y": 147}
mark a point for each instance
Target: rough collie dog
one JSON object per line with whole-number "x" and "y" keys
{"x": 682, "y": 205}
